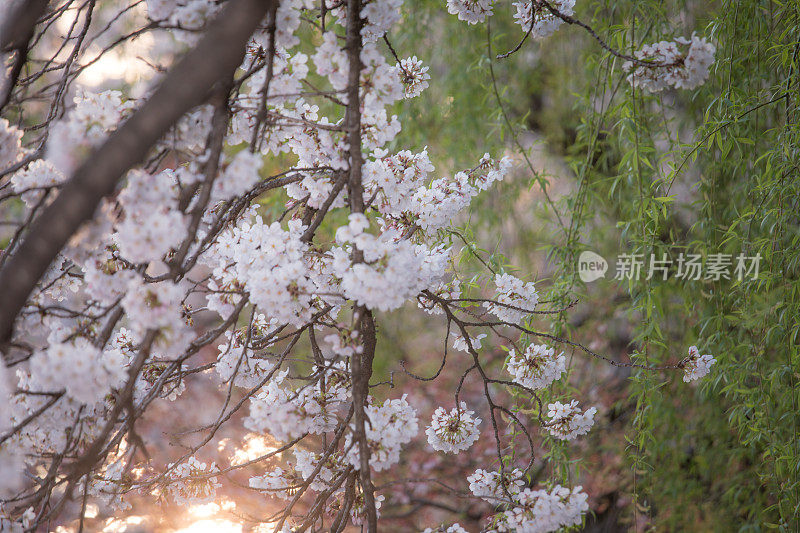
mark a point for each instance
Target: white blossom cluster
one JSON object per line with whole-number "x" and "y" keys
{"x": 541, "y": 511}
{"x": 395, "y": 178}
{"x": 450, "y": 290}
{"x": 437, "y": 205}
{"x": 414, "y": 76}
{"x": 192, "y": 481}
{"x": 357, "y": 511}
{"x": 11, "y": 462}
{"x": 544, "y": 21}
{"x": 455, "y": 431}
{"x": 567, "y": 421}
{"x": 682, "y": 64}
{"x": 696, "y": 366}
{"x": 283, "y": 484}
{"x": 11, "y": 144}
{"x": 30, "y": 181}
{"x": 454, "y": 528}
{"x": 239, "y": 176}
{"x": 380, "y": 15}
{"x": 307, "y": 462}
{"x": 528, "y": 510}
{"x": 95, "y": 114}
{"x": 287, "y": 414}
{"x": 85, "y": 372}
{"x": 390, "y": 425}
{"x": 287, "y": 22}
{"x": 152, "y": 225}
{"x": 471, "y": 11}
{"x": 331, "y": 61}
{"x": 271, "y": 263}
{"x": 238, "y": 361}
{"x": 288, "y": 72}
{"x": 25, "y": 522}
{"x": 515, "y": 299}
{"x": 537, "y": 368}
{"x": 393, "y": 271}
{"x": 70, "y": 141}
{"x": 186, "y": 17}
{"x": 494, "y": 487}
{"x": 460, "y": 343}
{"x": 532, "y": 15}
{"x": 190, "y": 133}
{"x": 276, "y": 483}
{"x": 104, "y": 486}
{"x": 53, "y": 429}
{"x": 158, "y": 306}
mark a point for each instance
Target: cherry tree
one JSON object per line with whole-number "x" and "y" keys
{"x": 137, "y": 240}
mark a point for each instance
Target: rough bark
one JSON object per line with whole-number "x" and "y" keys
{"x": 361, "y": 364}
{"x": 17, "y": 25}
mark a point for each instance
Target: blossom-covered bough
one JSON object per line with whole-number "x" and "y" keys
{"x": 138, "y": 242}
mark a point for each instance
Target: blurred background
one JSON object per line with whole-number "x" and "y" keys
{"x": 598, "y": 166}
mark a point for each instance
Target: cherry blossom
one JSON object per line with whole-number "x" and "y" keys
{"x": 681, "y": 69}
{"x": 519, "y": 298}
{"x": 86, "y": 373}
{"x": 10, "y": 144}
{"x": 537, "y": 368}
{"x": 84, "y": 127}
{"x": 544, "y": 22}
{"x": 493, "y": 486}
{"x": 697, "y": 366}
{"x": 392, "y": 424}
{"x": 455, "y": 528}
{"x": 192, "y": 482}
{"x": 567, "y": 421}
{"x": 471, "y": 11}
{"x": 542, "y": 511}
{"x": 11, "y": 462}
{"x": 275, "y": 483}
{"x": 413, "y": 75}
{"x": 455, "y": 431}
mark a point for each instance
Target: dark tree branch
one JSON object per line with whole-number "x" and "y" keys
{"x": 15, "y": 36}
{"x": 360, "y": 364}
{"x": 19, "y": 23}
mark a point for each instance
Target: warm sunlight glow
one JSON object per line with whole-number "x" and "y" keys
{"x": 91, "y": 511}
{"x": 212, "y": 526}
{"x": 114, "y": 525}
{"x": 255, "y": 446}
{"x": 205, "y": 510}
{"x": 115, "y": 65}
